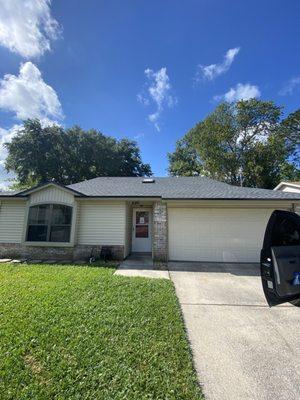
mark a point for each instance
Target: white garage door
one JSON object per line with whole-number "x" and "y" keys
{"x": 211, "y": 234}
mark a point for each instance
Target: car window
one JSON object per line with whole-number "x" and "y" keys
{"x": 286, "y": 233}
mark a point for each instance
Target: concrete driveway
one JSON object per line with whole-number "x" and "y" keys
{"x": 242, "y": 349}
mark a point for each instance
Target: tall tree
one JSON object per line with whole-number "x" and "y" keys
{"x": 185, "y": 160}
{"x": 37, "y": 154}
{"x": 290, "y": 128}
{"x": 245, "y": 143}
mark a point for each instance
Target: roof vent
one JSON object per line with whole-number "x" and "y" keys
{"x": 148, "y": 180}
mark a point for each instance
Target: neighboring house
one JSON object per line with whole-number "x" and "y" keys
{"x": 293, "y": 187}
{"x": 184, "y": 218}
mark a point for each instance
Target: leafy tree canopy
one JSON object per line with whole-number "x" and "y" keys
{"x": 246, "y": 143}
{"x": 38, "y": 154}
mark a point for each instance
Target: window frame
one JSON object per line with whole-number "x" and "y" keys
{"x": 47, "y": 242}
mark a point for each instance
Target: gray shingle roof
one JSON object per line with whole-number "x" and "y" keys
{"x": 175, "y": 188}
{"x": 9, "y": 192}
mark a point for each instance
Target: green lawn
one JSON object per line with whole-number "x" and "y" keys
{"x": 78, "y": 332}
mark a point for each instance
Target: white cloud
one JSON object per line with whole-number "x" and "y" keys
{"x": 4, "y": 186}
{"x": 28, "y": 96}
{"x": 143, "y": 100}
{"x": 6, "y": 135}
{"x": 27, "y": 27}
{"x": 259, "y": 134}
{"x": 290, "y": 86}
{"x": 158, "y": 92}
{"x": 211, "y": 71}
{"x": 139, "y": 136}
{"x": 240, "y": 92}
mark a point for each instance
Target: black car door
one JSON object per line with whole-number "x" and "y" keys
{"x": 280, "y": 259}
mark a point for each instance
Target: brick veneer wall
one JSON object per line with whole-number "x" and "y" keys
{"x": 78, "y": 252}
{"x": 82, "y": 252}
{"x": 160, "y": 234}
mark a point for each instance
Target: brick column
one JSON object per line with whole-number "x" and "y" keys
{"x": 160, "y": 235}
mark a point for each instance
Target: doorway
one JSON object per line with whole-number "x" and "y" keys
{"x": 142, "y": 230}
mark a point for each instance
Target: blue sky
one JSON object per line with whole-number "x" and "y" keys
{"x": 145, "y": 70}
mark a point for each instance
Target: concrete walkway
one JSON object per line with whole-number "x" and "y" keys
{"x": 140, "y": 264}
{"x": 242, "y": 349}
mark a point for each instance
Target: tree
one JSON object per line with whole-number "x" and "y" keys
{"x": 291, "y": 132}
{"x": 38, "y": 154}
{"x": 185, "y": 160}
{"x": 245, "y": 143}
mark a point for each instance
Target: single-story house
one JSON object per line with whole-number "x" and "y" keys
{"x": 174, "y": 218}
{"x": 293, "y": 187}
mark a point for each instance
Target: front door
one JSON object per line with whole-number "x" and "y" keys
{"x": 141, "y": 234}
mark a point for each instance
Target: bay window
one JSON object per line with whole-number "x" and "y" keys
{"x": 49, "y": 223}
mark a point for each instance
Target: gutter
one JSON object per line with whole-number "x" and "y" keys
{"x": 292, "y": 199}
{"x": 233, "y": 198}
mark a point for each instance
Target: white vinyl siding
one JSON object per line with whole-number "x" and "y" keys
{"x": 290, "y": 189}
{"x": 52, "y": 194}
{"x": 128, "y": 229}
{"x": 101, "y": 223}
{"x": 215, "y": 234}
{"x": 12, "y": 215}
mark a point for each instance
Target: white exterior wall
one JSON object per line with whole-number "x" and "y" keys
{"x": 291, "y": 189}
{"x": 52, "y": 194}
{"x": 101, "y": 223}
{"x": 12, "y": 219}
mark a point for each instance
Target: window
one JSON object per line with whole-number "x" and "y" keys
{"x": 141, "y": 231}
{"x": 49, "y": 223}
{"x": 142, "y": 224}
{"x": 286, "y": 233}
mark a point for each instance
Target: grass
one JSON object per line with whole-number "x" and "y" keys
{"x": 78, "y": 332}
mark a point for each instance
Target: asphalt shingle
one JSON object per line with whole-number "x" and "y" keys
{"x": 175, "y": 188}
